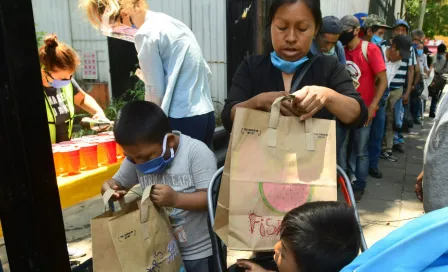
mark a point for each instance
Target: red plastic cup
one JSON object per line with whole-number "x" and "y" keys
{"x": 107, "y": 151}
{"x": 71, "y": 160}
{"x": 120, "y": 153}
{"x": 89, "y": 156}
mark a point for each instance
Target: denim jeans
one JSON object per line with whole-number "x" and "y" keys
{"x": 359, "y": 140}
{"x": 416, "y": 107}
{"x": 376, "y": 136}
{"x": 434, "y": 101}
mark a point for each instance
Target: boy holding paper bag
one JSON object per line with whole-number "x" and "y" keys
{"x": 178, "y": 167}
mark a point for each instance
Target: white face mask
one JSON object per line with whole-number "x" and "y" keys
{"x": 330, "y": 53}
{"x": 119, "y": 31}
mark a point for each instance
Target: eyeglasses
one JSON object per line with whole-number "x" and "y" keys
{"x": 48, "y": 73}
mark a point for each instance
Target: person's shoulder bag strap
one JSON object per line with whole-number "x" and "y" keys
{"x": 305, "y": 69}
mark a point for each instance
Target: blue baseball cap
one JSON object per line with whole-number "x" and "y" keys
{"x": 401, "y": 22}
{"x": 361, "y": 17}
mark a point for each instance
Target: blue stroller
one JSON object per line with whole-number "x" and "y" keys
{"x": 420, "y": 245}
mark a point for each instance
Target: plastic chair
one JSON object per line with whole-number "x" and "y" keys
{"x": 220, "y": 250}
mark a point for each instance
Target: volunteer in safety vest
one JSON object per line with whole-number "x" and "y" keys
{"x": 58, "y": 64}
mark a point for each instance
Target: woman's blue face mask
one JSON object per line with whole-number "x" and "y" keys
{"x": 57, "y": 83}
{"x": 287, "y": 67}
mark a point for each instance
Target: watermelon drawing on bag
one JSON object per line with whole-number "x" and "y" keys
{"x": 281, "y": 198}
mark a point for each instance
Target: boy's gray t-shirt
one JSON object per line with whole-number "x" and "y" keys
{"x": 192, "y": 168}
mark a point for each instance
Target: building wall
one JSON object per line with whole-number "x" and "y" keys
{"x": 207, "y": 19}
{"x": 345, "y": 7}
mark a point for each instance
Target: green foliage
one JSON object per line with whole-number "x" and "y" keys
{"x": 137, "y": 93}
{"x": 40, "y": 36}
{"x": 436, "y": 16}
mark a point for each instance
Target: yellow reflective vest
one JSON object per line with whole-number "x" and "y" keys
{"x": 67, "y": 94}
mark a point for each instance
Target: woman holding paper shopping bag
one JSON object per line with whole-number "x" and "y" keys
{"x": 326, "y": 90}
{"x": 173, "y": 68}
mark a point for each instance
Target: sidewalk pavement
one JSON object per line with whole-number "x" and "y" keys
{"x": 388, "y": 203}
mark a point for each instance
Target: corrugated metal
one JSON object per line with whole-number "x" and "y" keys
{"x": 179, "y": 9}
{"x": 51, "y": 16}
{"x": 85, "y": 37}
{"x": 342, "y": 8}
{"x": 207, "y": 19}
{"x": 209, "y": 26}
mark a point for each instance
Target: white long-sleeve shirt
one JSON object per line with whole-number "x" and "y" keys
{"x": 175, "y": 72}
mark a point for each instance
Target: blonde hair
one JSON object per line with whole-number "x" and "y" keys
{"x": 95, "y": 9}
{"x": 55, "y": 55}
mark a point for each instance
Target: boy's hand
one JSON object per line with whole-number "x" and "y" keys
{"x": 112, "y": 184}
{"x": 164, "y": 195}
{"x": 250, "y": 266}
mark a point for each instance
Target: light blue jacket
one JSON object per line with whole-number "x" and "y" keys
{"x": 420, "y": 245}
{"x": 175, "y": 72}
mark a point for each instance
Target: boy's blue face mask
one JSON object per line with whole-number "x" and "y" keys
{"x": 287, "y": 67}
{"x": 158, "y": 164}
{"x": 376, "y": 39}
{"x": 420, "y": 52}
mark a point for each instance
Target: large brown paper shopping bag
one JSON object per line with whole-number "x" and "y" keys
{"x": 144, "y": 240}
{"x": 221, "y": 224}
{"x": 104, "y": 255}
{"x": 278, "y": 163}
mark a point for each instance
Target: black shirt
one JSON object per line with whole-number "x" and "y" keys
{"x": 61, "y": 111}
{"x": 256, "y": 75}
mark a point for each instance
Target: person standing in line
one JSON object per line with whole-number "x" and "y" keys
{"x": 176, "y": 75}
{"x": 416, "y": 104}
{"x": 404, "y": 79}
{"x": 440, "y": 68}
{"x": 327, "y": 41}
{"x": 375, "y": 28}
{"x": 371, "y": 72}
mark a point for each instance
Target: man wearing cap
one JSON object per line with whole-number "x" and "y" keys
{"x": 371, "y": 74}
{"x": 375, "y": 27}
{"x": 399, "y": 50}
{"x": 407, "y": 75}
{"x": 327, "y": 40}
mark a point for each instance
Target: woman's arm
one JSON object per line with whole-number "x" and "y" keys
{"x": 87, "y": 103}
{"x": 311, "y": 99}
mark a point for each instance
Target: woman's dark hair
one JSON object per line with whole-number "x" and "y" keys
{"x": 55, "y": 55}
{"x": 141, "y": 122}
{"x": 441, "y": 49}
{"x": 324, "y": 236}
{"x": 313, "y": 5}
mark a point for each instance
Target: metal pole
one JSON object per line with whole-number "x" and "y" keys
{"x": 422, "y": 14}
{"x": 30, "y": 208}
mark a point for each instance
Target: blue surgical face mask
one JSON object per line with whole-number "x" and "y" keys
{"x": 287, "y": 67}
{"x": 158, "y": 164}
{"x": 420, "y": 52}
{"x": 331, "y": 52}
{"x": 376, "y": 39}
{"x": 58, "y": 84}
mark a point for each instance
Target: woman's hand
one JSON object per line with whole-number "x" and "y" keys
{"x": 250, "y": 266}
{"x": 99, "y": 115}
{"x": 264, "y": 102}
{"x": 309, "y": 100}
{"x": 419, "y": 187}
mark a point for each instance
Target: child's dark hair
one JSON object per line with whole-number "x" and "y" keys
{"x": 324, "y": 236}
{"x": 141, "y": 122}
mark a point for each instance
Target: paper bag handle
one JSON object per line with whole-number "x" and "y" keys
{"x": 274, "y": 120}
{"x": 144, "y": 211}
{"x": 108, "y": 195}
